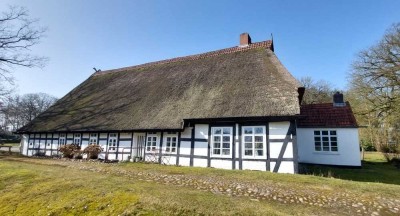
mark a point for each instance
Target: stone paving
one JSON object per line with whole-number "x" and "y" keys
{"x": 343, "y": 203}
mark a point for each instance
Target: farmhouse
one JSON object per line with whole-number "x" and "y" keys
{"x": 235, "y": 108}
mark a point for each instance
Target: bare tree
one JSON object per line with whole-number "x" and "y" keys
{"x": 375, "y": 90}
{"x": 18, "y": 34}
{"x": 316, "y": 91}
{"x": 19, "y": 110}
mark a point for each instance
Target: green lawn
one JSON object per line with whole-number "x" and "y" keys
{"x": 30, "y": 186}
{"x": 374, "y": 169}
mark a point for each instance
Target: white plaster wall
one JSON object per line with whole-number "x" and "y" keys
{"x": 201, "y": 131}
{"x": 185, "y": 147}
{"x": 197, "y": 162}
{"x": 103, "y": 135}
{"x": 275, "y": 149}
{"x": 124, "y": 144}
{"x": 125, "y": 155}
{"x": 200, "y": 148}
{"x": 184, "y": 161}
{"x": 125, "y": 135}
{"x": 168, "y": 160}
{"x": 348, "y": 147}
{"x": 24, "y": 143}
{"x": 222, "y": 164}
{"x": 254, "y": 165}
{"x": 187, "y": 132}
{"x": 286, "y": 167}
{"x": 278, "y": 130}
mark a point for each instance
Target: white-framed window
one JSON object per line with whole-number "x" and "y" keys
{"x": 62, "y": 139}
{"x": 221, "y": 141}
{"x": 77, "y": 139}
{"x": 254, "y": 141}
{"x": 112, "y": 142}
{"x": 325, "y": 141}
{"x": 93, "y": 139}
{"x": 171, "y": 142}
{"x": 151, "y": 142}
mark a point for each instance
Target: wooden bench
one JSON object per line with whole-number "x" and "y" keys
{"x": 4, "y": 146}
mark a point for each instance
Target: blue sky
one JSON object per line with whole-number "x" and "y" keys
{"x": 312, "y": 38}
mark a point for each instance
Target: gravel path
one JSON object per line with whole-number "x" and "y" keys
{"x": 343, "y": 203}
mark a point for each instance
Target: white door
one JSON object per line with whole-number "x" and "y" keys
{"x": 138, "y": 145}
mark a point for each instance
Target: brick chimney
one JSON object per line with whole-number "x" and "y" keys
{"x": 245, "y": 39}
{"x": 338, "y": 100}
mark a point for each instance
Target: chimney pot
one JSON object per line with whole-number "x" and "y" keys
{"x": 245, "y": 39}
{"x": 338, "y": 100}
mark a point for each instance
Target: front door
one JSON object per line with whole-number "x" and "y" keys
{"x": 138, "y": 148}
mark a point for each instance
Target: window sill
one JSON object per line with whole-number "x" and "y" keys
{"x": 255, "y": 157}
{"x": 221, "y": 156}
{"x": 326, "y": 153}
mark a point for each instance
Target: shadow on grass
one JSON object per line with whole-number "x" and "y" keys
{"x": 371, "y": 171}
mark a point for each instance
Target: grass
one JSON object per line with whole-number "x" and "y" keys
{"x": 374, "y": 169}
{"x": 30, "y": 186}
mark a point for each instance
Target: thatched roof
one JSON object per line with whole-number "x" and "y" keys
{"x": 236, "y": 82}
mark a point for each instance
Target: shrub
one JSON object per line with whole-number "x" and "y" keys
{"x": 92, "y": 151}
{"x": 69, "y": 150}
{"x": 367, "y": 145}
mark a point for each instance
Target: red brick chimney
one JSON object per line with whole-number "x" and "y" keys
{"x": 245, "y": 39}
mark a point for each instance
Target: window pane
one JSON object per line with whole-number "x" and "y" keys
{"x": 217, "y": 145}
{"x": 173, "y": 149}
{"x": 217, "y": 151}
{"x": 248, "y": 152}
{"x": 226, "y": 130}
{"x": 167, "y": 150}
{"x": 317, "y": 148}
{"x": 226, "y": 145}
{"x": 173, "y": 144}
{"x": 248, "y": 139}
{"x": 217, "y": 131}
{"x": 226, "y": 138}
{"x": 334, "y": 149}
{"x": 259, "y": 130}
{"x": 316, "y": 133}
{"x": 226, "y": 151}
{"x": 174, "y": 139}
{"x": 258, "y": 145}
{"x": 325, "y": 139}
{"x": 333, "y": 132}
{"x": 317, "y": 138}
{"x": 168, "y": 139}
{"x": 325, "y": 144}
{"x": 333, "y": 143}
{"x": 325, "y": 148}
{"x": 248, "y": 130}
{"x": 334, "y": 139}
{"x": 217, "y": 138}
{"x": 154, "y": 139}
{"x": 258, "y": 138}
{"x": 248, "y": 145}
{"x": 259, "y": 152}
{"x": 324, "y": 132}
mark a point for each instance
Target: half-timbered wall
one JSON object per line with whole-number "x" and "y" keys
{"x": 265, "y": 146}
